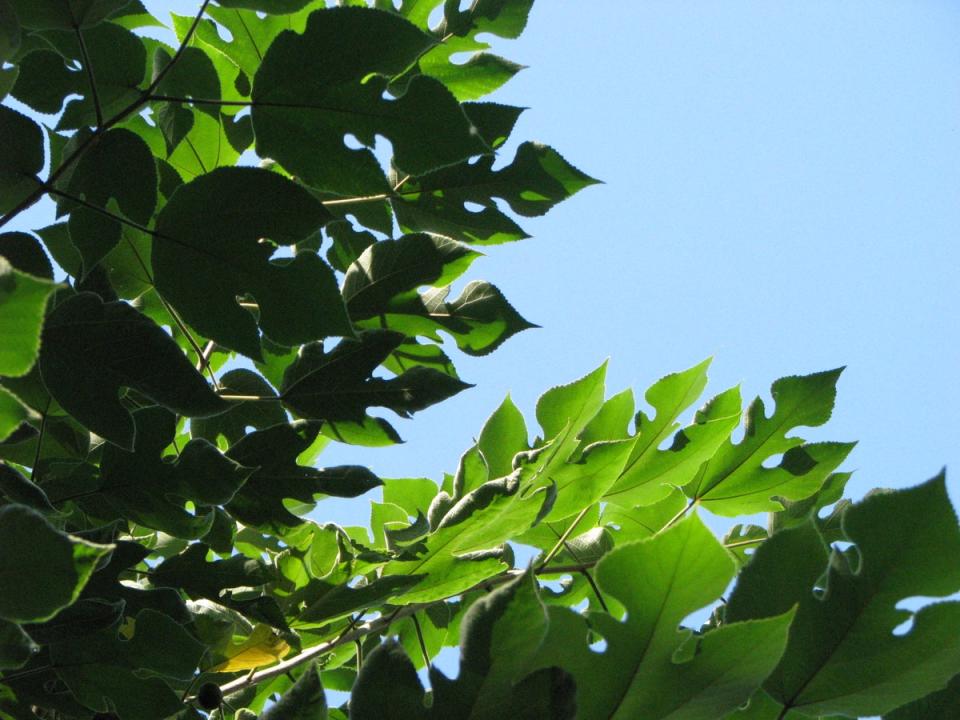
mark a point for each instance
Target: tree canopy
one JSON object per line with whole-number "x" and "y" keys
{"x": 238, "y": 275}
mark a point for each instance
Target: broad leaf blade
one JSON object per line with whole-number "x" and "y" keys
{"x": 843, "y": 656}
{"x": 214, "y": 225}
{"x": 91, "y": 349}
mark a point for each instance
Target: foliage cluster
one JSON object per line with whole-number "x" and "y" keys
{"x": 165, "y": 394}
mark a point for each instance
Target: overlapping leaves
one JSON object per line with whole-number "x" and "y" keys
{"x": 155, "y": 487}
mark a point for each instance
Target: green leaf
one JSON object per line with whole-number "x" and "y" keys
{"x": 64, "y": 15}
{"x": 23, "y": 299}
{"x": 119, "y": 167}
{"x": 21, "y": 158}
{"x": 214, "y": 225}
{"x": 314, "y": 88}
{"x": 274, "y": 453}
{"x": 143, "y": 486}
{"x": 304, "y": 701}
{"x": 536, "y": 180}
{"x": 389, "y": 272}
{"x": 91, "y": 349}
{"x": 250, "y": 37}
{"x": 273, "y": 7}
{"x": 9, "y": 31}
{"x": 387, "y": 687}
{"x": 117, "y": 61}
{"x": 44, "y": 81}
{"x": 499, "y": 636}
{"x": 735, "y": 482}
{"x": 105, "y": 672}
{"x": 16, "y": 647}
{"x": 193, "y": 76}
{"x": 648, "y": 668}
{"x": 941, "y": 704}
{"x": 12, "y": 413}
{"x": 337, "y": 385}
{"x": 233, "y": 423}
{"x": 480, "y": 320}
{"x": 18, "y": 489}
{"x": 25, "y": 253}
{"x": 190, "y": 572}
{"x": 339, "y": 601}
{"x": 483, "y": 72}
{"x": 504, "y": 434}
{"x": 845, "y": 654}
{"x": 42, "y": 569}
{"x": 454, "y": 556}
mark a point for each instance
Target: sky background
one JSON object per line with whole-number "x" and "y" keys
{"x": 782, "y": 192}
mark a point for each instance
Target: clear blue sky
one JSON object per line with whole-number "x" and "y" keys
{"x": 782, "y": 192}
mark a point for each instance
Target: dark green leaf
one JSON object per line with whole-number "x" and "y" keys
{"x": 91, "y": 349}
{"x": 941, "y": 704}
{"x": 85, "y": 617}
{"x": 337, "y": 385}
{"x": 304, "y": 701}
{"x": 26, "y": 254}
{"x": 191, "y": 572}
{"x": 274, "y": 453}
{"x": 338, "y": 601}
{"x": 106, "y": 672}
{"x": 151, "y": 491}
{"x": 64, "y": 14}
{"x": 640, "y": 673}
{"x": 9, "y": 31}
{"x": 536, "y": 180}
{"x": 233, "y": 424}
{"x": 18, "y": 489}
{"x": 44, "y": 81}
{"x": 16, "y": 647}
{"x": 314, "y": 88}
{"x": 21, "y": 157}
{"x": 214, "y": 225}
{"x": 42, "y": 570}
{"x": 387, "y": 687}
{"x": 118, "y": 62}
{"x": 390, "y": 272}
{"x": 118, "y": 168}
{"x": 479, "y": 320}
{"x": 844, "y": 655}
{"x": 274, "y": 7}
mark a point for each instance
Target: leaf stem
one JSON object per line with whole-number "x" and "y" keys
{"x": 676, "y": 518}
{"x": 88, "y": 68}
{"x": 43, "y": 427}
{"x": 421, "y": 641}
{"x": 563, "y": 538}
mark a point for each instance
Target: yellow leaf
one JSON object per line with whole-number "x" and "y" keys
{"x": 263, "y": 647}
